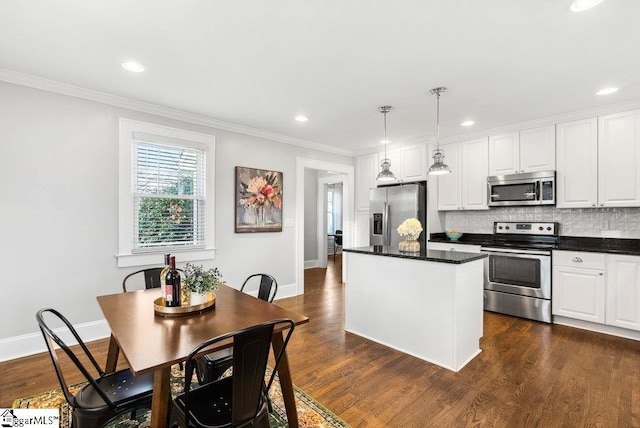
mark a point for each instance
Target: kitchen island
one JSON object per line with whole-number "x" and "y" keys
{"x": 426, "y": 304}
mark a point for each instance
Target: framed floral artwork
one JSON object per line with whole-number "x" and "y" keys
{"x": 258, "y": 200}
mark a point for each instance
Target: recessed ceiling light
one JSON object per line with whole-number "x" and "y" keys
{"x": 607, "y": 91}
{"x": 467, "y": 123}
{"x": 301, "y": 118}
{"x": 133, "y": 66}
{"x": 580, "y": 5}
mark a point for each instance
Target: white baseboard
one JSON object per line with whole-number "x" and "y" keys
{"x": 309, "y": 264}
{"x": 33, "y": 343}
{"x": 599, "y": 328}
{"x": 287, "y": 290}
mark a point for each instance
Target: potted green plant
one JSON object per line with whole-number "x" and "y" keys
{"x": 201, "y": 283}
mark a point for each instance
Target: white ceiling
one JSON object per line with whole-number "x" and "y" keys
{"x": 258, "y": 63}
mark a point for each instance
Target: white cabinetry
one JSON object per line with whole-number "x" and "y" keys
{"x": 446, "y": 246}
{"x": 577, "y": 155}
{"x": 619, "y": 159}
{"x": 466, "y": 186}
{"x": 579, "y": 285}
{"x": 366, "y": 172}
{"x": 525, "y": 151}
{"x": 599, "y": 162}
{"x": 623, "y": 291}
{"x": 408, "y": 163}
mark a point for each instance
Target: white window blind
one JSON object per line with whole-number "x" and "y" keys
{"x": 168, "y": 193}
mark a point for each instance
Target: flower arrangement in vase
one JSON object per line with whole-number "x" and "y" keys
{"x": 410, "y": 230}
{"x": 200, "y": 283}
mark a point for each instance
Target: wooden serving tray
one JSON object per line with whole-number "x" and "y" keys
{"x": 160, "y": 308}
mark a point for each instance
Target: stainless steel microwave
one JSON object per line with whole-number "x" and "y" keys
{"x": 531, "y": 188}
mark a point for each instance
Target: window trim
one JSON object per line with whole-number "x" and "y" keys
{"x": 126, "y": 256}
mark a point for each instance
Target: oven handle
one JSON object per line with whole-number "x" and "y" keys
{"x": 515, "y": 251}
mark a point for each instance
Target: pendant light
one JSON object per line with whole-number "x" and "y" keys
{"x": 438, "y": 167}
{"x": 385, "y": 173}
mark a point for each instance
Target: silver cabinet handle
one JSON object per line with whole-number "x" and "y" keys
{"x": 577, "y": 260}
{"x": 452, "y": 249}
{"x": 601, "y": 273}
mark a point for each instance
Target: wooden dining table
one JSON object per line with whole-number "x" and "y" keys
{"x": 153, "y": 343}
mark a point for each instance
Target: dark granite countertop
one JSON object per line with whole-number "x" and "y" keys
{"x": 568, "y": 243}
{"x": 454, "y": 257}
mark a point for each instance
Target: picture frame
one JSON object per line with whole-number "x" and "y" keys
{"x": 258, "y": 200}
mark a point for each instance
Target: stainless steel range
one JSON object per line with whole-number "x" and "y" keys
{"x": 518, "y": 269}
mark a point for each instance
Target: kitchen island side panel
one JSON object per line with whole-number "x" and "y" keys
{"x": 414, "y": 306}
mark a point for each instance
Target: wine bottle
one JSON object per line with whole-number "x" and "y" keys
{"x": 173, "y": 288}
{"x": 163, "y": 277}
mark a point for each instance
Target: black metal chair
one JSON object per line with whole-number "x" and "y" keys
{"x": 105, "y": 396}
{"x": 337, "y": 241}
{"x": 151, "y": 278}
{"x": 241, "y": 398}
{"x": 212, "y": 366}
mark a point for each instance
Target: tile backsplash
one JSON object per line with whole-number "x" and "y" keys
{"x": 598, "y": 222}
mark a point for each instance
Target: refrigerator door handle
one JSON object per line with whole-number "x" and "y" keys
{"x": 387, "y": 231}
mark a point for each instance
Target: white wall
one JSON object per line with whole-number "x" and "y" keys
{"x": 59, "y": 187}
{"x": 310, "y": 215}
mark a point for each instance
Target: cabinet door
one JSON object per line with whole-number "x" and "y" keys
{"x": 413, "y": 162}
{"x": 619, "y": 159}
{"x": 623, "y": 291}
{"x": 538, "y": 149}
{"x": 504, "y": 154}
{"x": 449, "y": 184}
{"x": 366, "y": 172}
{"x": 577, "y": 171}
{"x": 579, "y": 293}
{"x": 475, "y": 168}
{"x": 362, "y": 229}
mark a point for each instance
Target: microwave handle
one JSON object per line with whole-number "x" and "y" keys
{"x": 536, "y": 191}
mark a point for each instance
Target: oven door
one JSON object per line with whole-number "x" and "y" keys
{"x": 516, "y": 271}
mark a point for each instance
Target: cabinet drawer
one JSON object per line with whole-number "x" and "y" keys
{"x": 579, "y": 259}
{"x": 446, "y": 246}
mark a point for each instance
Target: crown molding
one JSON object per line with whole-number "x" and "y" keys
{"x": 131, "y": 104}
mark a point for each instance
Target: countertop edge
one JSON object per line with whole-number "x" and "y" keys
{"x": 451, "y": 257}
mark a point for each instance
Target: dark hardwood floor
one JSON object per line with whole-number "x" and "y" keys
{"x": 529, "y": 374}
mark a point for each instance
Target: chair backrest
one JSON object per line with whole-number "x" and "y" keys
{"x": 338, "y": 237}
{"x": 52, "y": 340}
{"x": 268, "y": 286}
{"x": 250, "y": 353}
{"x": 151, "y": 278}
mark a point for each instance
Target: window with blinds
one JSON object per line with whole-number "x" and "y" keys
{"x": 168, "y": 193}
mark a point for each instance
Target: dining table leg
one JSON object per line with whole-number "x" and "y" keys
{"x": 112, "y": 355}
{"x": 159, "y": 400}
{"x": 286, "y": 383}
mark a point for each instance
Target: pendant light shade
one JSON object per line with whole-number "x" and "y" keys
{"x": 438, "y": 167}
{"x": 385, "y": 173}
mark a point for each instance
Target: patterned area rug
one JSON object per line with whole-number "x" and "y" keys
{"x": 310, "y": 412}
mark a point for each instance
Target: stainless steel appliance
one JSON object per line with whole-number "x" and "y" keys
{"x": 518, "y": 269}
{"x": 531, "y": 188}
{"x": 391, "y": 205}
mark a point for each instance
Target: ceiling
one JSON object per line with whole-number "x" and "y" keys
{"x": 258, "y": 63}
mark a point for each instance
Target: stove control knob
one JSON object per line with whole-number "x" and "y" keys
{"x": 540, "y": 228}
{"x": 506, "y": 227}
{"x": 548, "y": 227}
{"x": 500, "y": 227}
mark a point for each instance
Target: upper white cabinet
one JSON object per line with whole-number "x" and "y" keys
{"x": 599, "y": 162}
{"x": 366, "y": 172}
{"x": 577, "y": 156}
{"x": 413, "y": 162}
{"x": 466, "y": 187}
{"x": 619, "y": 159}
{"x": 525, "y": 151}
{"x": 623, "y": 291}
{"x": 408, "y": 163}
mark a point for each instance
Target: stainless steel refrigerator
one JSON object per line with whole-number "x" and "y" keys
{"x": 389, "y": 206}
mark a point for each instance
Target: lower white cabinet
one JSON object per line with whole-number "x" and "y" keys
{"x": 579, "y": 290}
{"x": 595, "y": 287}
{"x": 446, "y": 246}
{"x": 623, "y": 291}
